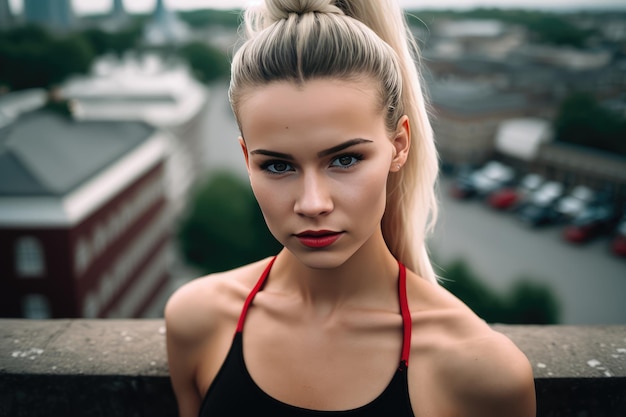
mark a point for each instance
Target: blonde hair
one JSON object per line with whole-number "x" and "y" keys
{"x": 299, "y": 40}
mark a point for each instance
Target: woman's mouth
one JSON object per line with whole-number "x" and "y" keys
{"x": 318, "y": 238}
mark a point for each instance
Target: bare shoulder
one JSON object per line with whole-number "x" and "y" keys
{"x": 200, "y": 318}
{"x": 478, "y": 369}
{"x": 489, "y": 375}
{"x": 203, "y": 304}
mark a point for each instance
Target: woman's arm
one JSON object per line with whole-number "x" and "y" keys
{"x": 184, "y": 335}
{"x": 200, "y": 319}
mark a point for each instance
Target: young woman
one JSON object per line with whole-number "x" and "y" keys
{"x": 348, "y": 319}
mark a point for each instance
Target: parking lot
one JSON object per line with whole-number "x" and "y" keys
{"x": 589, "y": 281}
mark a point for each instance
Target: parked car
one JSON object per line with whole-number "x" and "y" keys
{"x": 463, "y": 187}
{"x": 492, "y": 177}
{"x": 539, "y": 210}
{"x": 575, "y": 202}
{"x": 510, "y": 197}
{"x": 590, "y": 223}
{"x": 483, "y": 181}
{"x": 618, "y": 241}
{"x": 537, "y": 214}
{"x": 504, "y": 199}
{"x": 547, "y": 194}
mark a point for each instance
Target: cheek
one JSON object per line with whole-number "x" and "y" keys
{"x": 272, "y": 201}
{"x": 262, "y": 193}
{"x": 368, "y": 191}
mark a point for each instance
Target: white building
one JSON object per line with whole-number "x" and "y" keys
{"x": 161, "y": 94}
{"x": 492, "y": 38}
{"x": 522, "y": 138}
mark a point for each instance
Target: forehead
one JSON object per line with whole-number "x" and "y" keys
{"x": 316, "y": 109}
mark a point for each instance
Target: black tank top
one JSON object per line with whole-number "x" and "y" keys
{"x": 234, "y": 393}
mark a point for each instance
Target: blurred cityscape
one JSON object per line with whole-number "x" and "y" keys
{"x": 111, "y": 124}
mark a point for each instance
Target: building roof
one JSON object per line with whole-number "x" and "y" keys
{"x": 521, "y": 138}
{"x": 585, "y": 159}
{"x": 480, "y": 28}
{"x": 137, "y": 88}
{"x": 44, "y": 153}
{"x": 17, "y": 102}
{"x": 474, "y": 98}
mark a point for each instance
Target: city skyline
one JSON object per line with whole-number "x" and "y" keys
{"x": 138, "y": 6}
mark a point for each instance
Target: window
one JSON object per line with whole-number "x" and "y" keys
{"x": 82, "y": 257}
{"x": 29, "y": 258}
{"x": 35, "y": 306}
{"x": 99, "y": 240}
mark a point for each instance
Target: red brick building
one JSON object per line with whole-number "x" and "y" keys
{"x": 84, "y": 224}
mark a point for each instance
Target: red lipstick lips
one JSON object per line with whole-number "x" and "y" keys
{"x": 318, "y": 238}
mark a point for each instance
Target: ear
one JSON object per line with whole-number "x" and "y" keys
{"x": 244, "y": 149}
{"x": 401, "y": 144}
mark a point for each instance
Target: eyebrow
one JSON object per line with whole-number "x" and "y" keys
{"x": 345, "y": 145}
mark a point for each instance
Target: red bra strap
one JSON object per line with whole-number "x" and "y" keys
{"x": 404, "y": 308}
{"x": 406, "y": 317}
{"x": 254, "y": 291}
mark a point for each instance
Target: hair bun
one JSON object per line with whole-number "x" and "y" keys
{"x": 281, "y": 9}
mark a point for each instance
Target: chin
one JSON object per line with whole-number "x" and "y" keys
{"x": 321, "y": 259}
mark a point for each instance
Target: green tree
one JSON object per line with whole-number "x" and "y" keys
{"x": 68, "y": 56}
{"x": 582, "y": 121}
{"x": 546, "y": 27}
{"x": 224, "y": 227}
{"x": 531, "y": 302}
{"x": 30, "y": 57}
{"x": 117, "y": 42}
{"x": 210, "y": 17}
{"x": 527, "y": 302}
{"x": 207, "y": 63}
{"x": 460, "y": 280}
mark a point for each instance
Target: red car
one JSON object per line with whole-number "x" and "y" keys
{"x": 590, "y": 223}
{"x": 508, "y": 197}
{"x": 618, "y": 243}
{"x": 504, "y": 199}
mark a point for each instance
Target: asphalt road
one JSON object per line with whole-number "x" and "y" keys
{"x": 589, "y": 282}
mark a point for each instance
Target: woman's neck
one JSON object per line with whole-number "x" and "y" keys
{"x": 369, "y": 274}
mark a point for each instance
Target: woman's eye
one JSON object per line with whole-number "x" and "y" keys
{"x": 346, "y": 161}
{"x": 277, "y": 167}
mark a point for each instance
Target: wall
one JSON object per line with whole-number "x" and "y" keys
{"x": 118, "y": 368}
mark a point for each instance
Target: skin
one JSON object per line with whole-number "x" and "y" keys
{"x": 328, "y": 319}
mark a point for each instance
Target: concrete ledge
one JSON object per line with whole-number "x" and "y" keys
{"x": 118, "y": 368}
{"x": 580, "y": 371}
{"x": 84, "y": 368}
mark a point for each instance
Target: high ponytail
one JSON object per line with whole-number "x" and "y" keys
{"x": 298, "y": 40}
{"x": 412, "y": 208}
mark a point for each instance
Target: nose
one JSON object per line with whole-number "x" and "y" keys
{"x": 314, "y": 198}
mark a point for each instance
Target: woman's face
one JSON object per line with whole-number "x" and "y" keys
{"x": 318, "y": 157}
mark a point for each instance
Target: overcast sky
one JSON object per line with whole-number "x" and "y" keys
{"x": 97, "y": 6}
